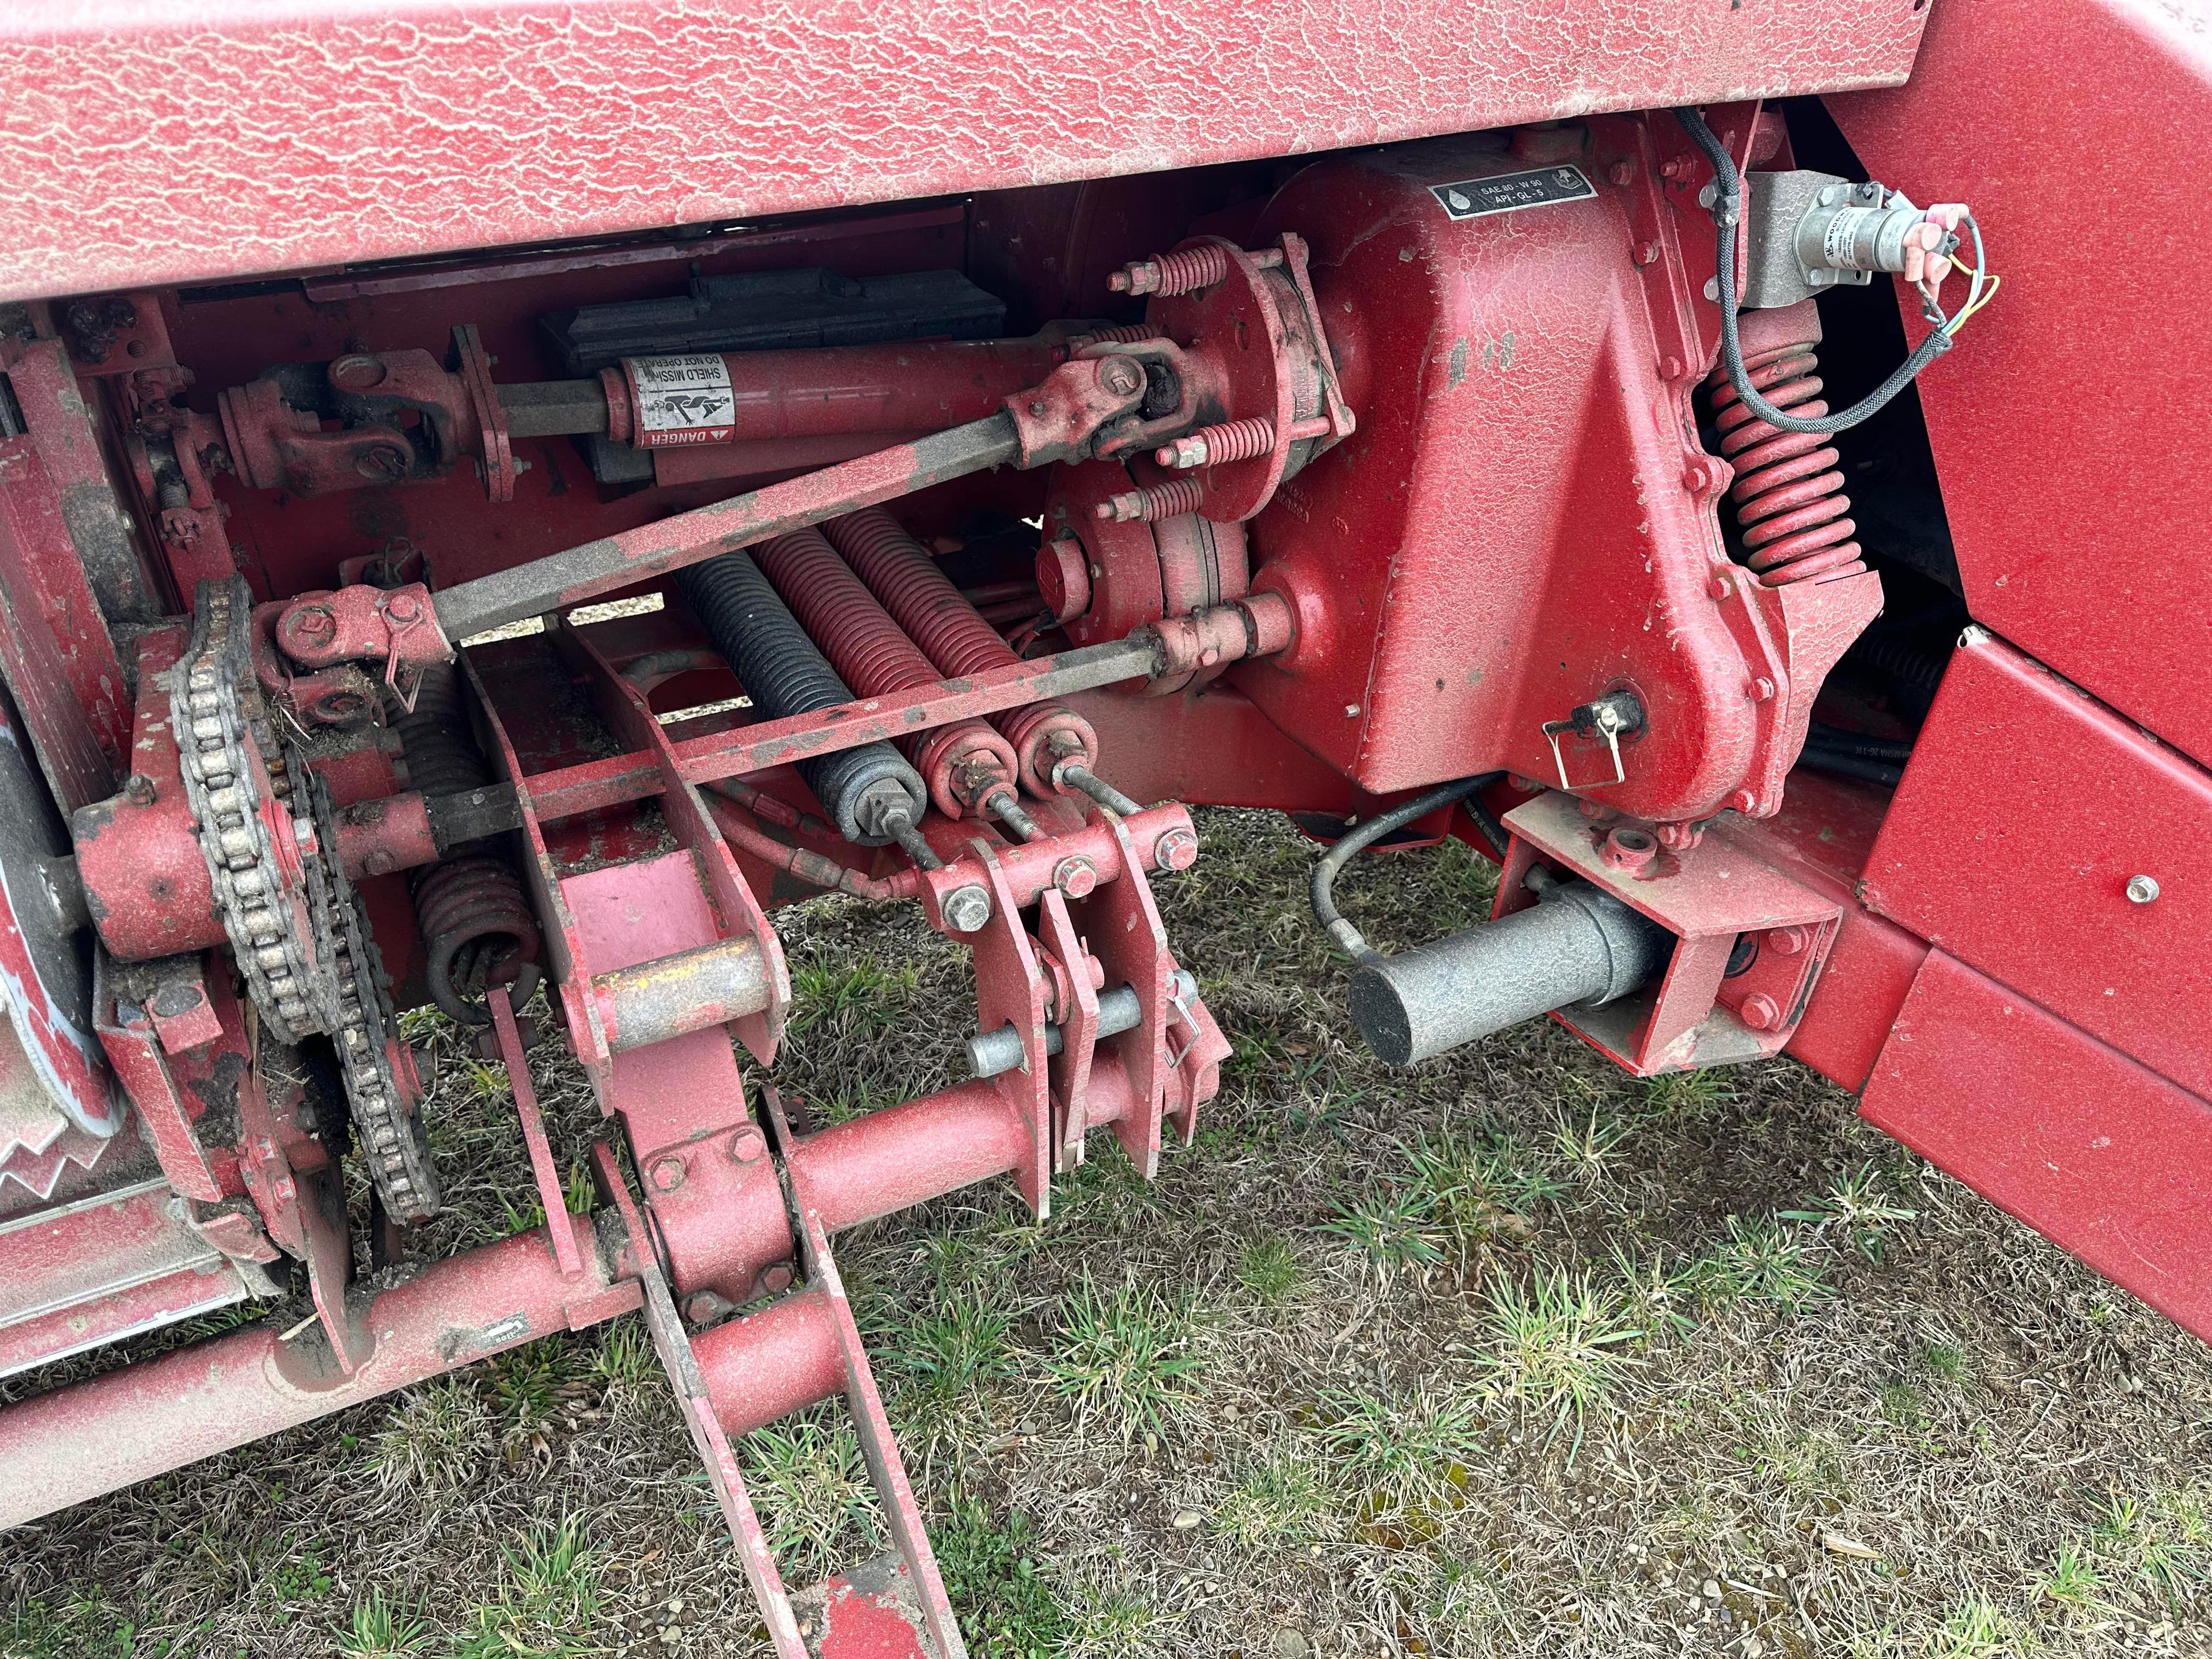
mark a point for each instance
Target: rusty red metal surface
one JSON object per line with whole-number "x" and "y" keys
{"x": 2070, "y": 569}
{"x": 703, "y": 115}
{"x": 2070, "y": 1135}
{"x": 1997, "y": 852}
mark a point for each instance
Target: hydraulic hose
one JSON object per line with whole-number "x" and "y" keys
{"x": 1358, "y": 839}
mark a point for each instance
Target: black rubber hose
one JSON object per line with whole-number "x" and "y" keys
{"x": 1834, "y": 740}
{"x": 1728, "y": 214}
{"x": 1356, "y": 840}
{"x": 861, "y": 789}
{"x": 1851, "y": 766}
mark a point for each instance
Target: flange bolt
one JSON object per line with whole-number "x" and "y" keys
{"x": 1177, "y": 849}
{"x": 2143, "y": 889}
{"x": 967, "y": 908}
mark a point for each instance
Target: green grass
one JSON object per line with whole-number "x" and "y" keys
{"x": 1556, "y": 1344}
{"x": 382, "y": 1630}
{"x": 1126, "y": 1360}
{"x": 864, "y": 993}
{"x": 1390, "y": 1233}
{"x": 1689, "y": 1095}
{"x": 1268, "y": 1268}
{"x": 1281, "y": 1500}
{"x": 811, "y": 1488}
{"x": 993, "y": 1573}
{"x": 1759, "y": 1261}
{"x": 1860, "y": 1207}
{"x": 549, "y": 1600}
{"x": 435, "y": 1439}
{"x": 1401, "y": 1452}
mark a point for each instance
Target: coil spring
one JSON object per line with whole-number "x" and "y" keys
{"x": 1126, "y": 334}
{"x": 953, "y": 634}
{"x": 1789, "y": 494}
{"x": 1237, "y": 440}
{"x": 784, "y": 674}
{"x": 1190, "y": 267}
{"x": 478, "y": 927}
{"x": 871, "y": 651}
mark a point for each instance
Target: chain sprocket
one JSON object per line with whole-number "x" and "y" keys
{"x": 294, "y": 923}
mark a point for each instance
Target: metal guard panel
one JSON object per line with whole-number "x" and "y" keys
{"x": 139, "y": 152}
{"x": 2108, "y": 1159}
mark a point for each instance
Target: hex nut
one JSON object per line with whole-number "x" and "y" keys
{"x": 1761, "y": 1012}
{"x": 748, "y": 1145}
{"x": 668, "y": 1173}
{"x": 2143, "y": 889}
{"x": 967, "y": 908}
{"x": 1075, "y": 876}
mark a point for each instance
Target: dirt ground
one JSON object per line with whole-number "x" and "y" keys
{"x": 1511, "y": 1354}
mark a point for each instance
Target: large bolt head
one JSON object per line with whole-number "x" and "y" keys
{"x": 1761, "y": 1012}
{"x": 1075, "y": 876}
{"x": 1175, "y": 850}
{"x": 967, "y": 908}
{"x": 2142, "y": 889}
{"x": 668, "y": 1173}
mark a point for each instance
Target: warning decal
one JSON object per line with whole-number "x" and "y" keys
{"x": 1507, "y": 193}
{"x": 681, "y": 400}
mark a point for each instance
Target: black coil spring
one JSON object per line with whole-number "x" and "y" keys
{"x": 478, "y": 927}
{"x": 784, "y": 674}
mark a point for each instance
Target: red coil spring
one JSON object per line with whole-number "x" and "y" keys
{"x": 1192, "y": 268}
{"x": 951, "y": 632}
{"x": 1169, "y": 499}
{"x": 1789, "y": 494}
{"x": 871, "y": 652}
{"x": 1127, "y": 334}
{"x": 1236, "y": 441}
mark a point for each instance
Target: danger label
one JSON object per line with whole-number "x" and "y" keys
{"x": 1509, "y": 192}
{"x": 681, "y": 400}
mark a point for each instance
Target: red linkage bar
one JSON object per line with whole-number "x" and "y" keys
{"x": 597, "y": 784}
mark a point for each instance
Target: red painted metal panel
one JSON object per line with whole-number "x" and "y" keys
{"x": 2027, "y": 810}
{"x": 2109, "y": 1159}
{"x": 382, "y": 131}
{"x": 2061, "y": 426}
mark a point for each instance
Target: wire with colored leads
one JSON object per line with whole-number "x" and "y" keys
{"x": 1728, "y": 200}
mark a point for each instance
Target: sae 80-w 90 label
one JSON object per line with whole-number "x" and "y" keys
{"x": 1510, "y": 192}
{"x": 681, "y": 400}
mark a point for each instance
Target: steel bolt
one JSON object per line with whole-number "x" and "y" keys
{"x": 1121, "y": 376}
{"x": 668, "y": 1173}
{"x": 702, "y": 1306}
{"x": 777, "y": 1279}
{"x": 1697, "y": 476}
{"x": 2143, "y": 889}
{"x": 1717, "y": 588}
{"x": 1743, "y": 800}
{"x": 1673, "y": 167}
{"x": 1075, "y": 876}
{"x": 1621, "y": 171}
{"x": 1760, "y": 1012}
{"x": 747, "y": 1145}
{"x": 1788, "y": 941}
{"x": 139, "y": 788}
{"x": 967, "y": 908}
{"x": 1647, "y": 253}
{"x": 1177, "y": 849}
